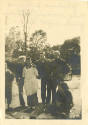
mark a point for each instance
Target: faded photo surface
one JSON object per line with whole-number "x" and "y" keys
{"x": 43, "y": 60}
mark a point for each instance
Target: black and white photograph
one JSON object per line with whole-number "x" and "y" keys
{"x": 43, "y": 60}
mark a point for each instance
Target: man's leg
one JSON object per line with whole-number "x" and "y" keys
{"x": 28, "y": 100}
{"x": 53, "y": 95}
{"x": 9, "y": 95}
{"x": 48, "y": 93}
{"x": 21, "y": 92}
{"x": 53, "y": 87}
{"x": 43, "y": 91}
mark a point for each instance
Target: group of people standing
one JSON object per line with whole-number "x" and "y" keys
{"x": 27, "y": 77}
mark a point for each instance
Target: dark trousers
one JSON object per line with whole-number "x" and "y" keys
{"x": 49, "y": 90}
{"x": 32, "y": 100}
{"x": 51, "y": 87}
{"x": 8, "y": 92}
{"x": 43, "y": 90}
{"x": 20, "y": 86}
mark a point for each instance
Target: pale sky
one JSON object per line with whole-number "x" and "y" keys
{"x": 60, "y": 20}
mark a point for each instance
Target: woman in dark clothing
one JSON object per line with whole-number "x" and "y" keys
{"x": 8, "y": 85}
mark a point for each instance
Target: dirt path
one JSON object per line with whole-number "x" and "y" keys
{"x": 74, "y": 87}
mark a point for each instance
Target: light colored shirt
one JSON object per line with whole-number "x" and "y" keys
{"x": 30, "y": 80}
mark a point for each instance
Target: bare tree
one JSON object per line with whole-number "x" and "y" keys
{"x": 25, "y": 27}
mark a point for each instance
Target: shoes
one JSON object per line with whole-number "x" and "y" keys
{"x": 9, "y": 109}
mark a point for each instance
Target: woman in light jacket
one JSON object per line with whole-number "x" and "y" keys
{"x": 30, "y": 75}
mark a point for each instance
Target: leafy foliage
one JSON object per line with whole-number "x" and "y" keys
{"x": 37, "y": 44}
{"x": 12, "y": 40}
{"x": 70, "y": 52}
{"x": 19, "y": 49}
{"x": 70, "y": 48}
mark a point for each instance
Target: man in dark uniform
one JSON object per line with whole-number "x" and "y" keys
{"x": 56, "y": 70}
{"x": 51, "y": 70}
{"x": 51, "y": 82}
{"x": 42, "y": 75}
{"x": 20, "y": 82}
{"x": 47, "y": 81}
